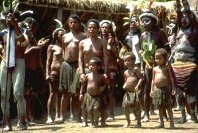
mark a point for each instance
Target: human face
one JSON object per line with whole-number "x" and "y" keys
{"x": 147, "y": 23}
{"x": 185, "y": 21}
{"x": 159, "y": 59}
{"x": 92, "y": 29}
{"x": 93, "y": 66}
{"x": 128, "y": 61}
{"x": 74, "y": 24}
{"x": 60, "y": 35}
{"x": 105, "y": 29}
{"x": 133, "y": 25}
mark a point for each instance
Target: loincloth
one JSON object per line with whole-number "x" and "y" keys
{"x": 162, "y": 96}
{"x": 186, "y": 76}
{"x": 94, "y": 102}
{"x": 130, "y": 98}
{"x": 67, "y": 76}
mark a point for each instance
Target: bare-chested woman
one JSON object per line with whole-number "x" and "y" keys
{"x": 69, "y": 66}
{"x": 54, "y": 60}
{"x": 92, "y": 47}
{"x": 107, "y": 33}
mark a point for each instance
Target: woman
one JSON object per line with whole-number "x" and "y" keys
{"x": 54, "y": 60}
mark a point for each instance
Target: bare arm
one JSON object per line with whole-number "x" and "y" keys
{"x": 49, "y": 61}
{"x": 172, "y": 80}
{"x": 105, "y": 57}
{"x": 152, "y": 82}
{"x": 81, "y": 58}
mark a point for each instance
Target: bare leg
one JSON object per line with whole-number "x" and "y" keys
{"x": 103, "y": 117}
{"x": 58, "y": 99}
{"x": 90, "y": 113}
{"x": 161, "y": 115}
{"x": 96, "y": 117}
{"x": 76, "y": 108}
{"x": 84, "y": 115}
{"x": 170, "y": 114}
{"x": 50, "y": 104}
{"x": 64, "y": 104}
{"x": 127, "y": 115}
{"x": 137, "y": 112}
{"x": 112, "y": 101}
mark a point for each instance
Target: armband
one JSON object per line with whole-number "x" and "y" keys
{"x": 19, "y": 36}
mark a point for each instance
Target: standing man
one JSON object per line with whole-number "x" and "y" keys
{"x": 13, "y": 71}
{"x": 151, "y": 39}
{"x": 69, "y": 66}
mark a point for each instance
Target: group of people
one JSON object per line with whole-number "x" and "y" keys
{"x": 82, "y": 69}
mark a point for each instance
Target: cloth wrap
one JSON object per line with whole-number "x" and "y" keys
{"x": 94, "y": 102}
{"x": 162, "y": 96}
{"x": 130, "y": 98}
{"x": 69, "y": 77}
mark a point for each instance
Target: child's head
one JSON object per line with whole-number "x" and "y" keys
{"x": 129, "y": 59}
{"x": 95, "y": 64}
{"x": 161, "y": 56}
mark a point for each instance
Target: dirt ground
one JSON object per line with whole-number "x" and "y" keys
{"x": 113, "y": 126}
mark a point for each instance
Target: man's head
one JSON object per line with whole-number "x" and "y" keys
{"x": 148, "y": 20}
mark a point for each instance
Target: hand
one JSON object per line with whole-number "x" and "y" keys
{"x": 136, "y": 88}
{"x": 82, "y": 77}
{"x": 151, "y": 94}
{"x": 43, "y": 42}
{"x": 81, "y": 97}
{"x": 47, "y": 77}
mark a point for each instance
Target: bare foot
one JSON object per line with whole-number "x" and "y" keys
{"x": 84, "y": 124}
{"x": 7, "y": 128}
{"x": 58, "y": 120}
{"x": 145, "y": 119}
{"x": 49, "y": 120}
{"x": 126, "y": 125}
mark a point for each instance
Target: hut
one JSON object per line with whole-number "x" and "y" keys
{"x": 45, "y": 11}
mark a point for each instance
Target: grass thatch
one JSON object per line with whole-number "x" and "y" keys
{"x": 99, "y": 6}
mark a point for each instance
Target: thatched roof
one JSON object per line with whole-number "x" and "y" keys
{"x": 99, "y": 6}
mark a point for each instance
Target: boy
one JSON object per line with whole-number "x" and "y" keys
{"x": 133, "y": 82}
{"x": 94, "y": 101}
{"x": 160, "y": 87}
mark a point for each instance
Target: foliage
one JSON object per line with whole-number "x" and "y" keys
{"x": 149, "y": 49}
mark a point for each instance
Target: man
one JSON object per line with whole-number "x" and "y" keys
{"x": 186, "y": 57}
{"x": 69, "y": 67}
{"x": 13, "y": 71}
{"x": 151, "y": 39}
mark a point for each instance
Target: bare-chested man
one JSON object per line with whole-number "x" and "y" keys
{"x": 94, "y": 101}
{"x": 92, "y": 47}
{"x": 68, "y": 85}
{"x": 54, "y": 60}
{"x": 162, "y": 86}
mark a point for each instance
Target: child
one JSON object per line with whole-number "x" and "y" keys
{"x": 162, "y": 85}
{"x": 132, "y": 85}
{"x": 94, "y": 101}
